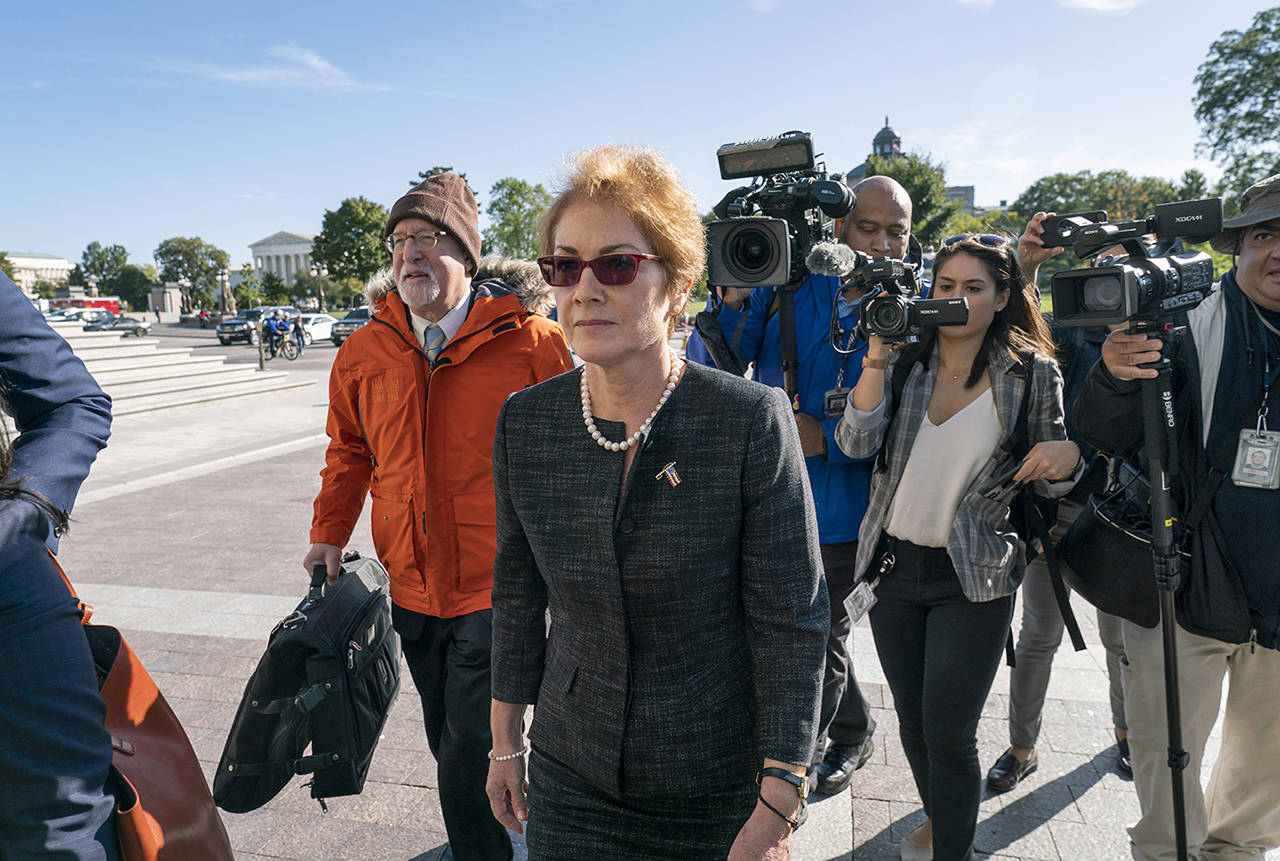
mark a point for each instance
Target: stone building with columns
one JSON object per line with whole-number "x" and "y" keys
{"x": 285, "y": 254}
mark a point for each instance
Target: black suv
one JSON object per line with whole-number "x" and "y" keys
{"x": 342, "y": 329}
{"x": 244, "y": 326}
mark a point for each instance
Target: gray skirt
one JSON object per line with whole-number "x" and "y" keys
{"x": 570, "y": 820}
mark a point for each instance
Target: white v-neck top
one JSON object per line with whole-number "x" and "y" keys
{"x": 944, "y": 461}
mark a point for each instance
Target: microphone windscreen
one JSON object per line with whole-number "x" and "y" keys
{"x": 832, "y": 258}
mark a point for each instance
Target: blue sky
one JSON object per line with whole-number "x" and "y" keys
{"x": 131, "y": 122}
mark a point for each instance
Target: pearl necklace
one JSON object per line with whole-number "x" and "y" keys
{"x": 634, "y": 439}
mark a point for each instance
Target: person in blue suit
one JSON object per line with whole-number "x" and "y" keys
{"x": 54, "y": 751}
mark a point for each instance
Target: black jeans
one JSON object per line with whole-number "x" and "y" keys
{"x": 449, "y": 662}
{"x": 940, "y": 652}
{"x": 843, "y": 717}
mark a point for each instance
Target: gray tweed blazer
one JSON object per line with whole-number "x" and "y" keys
{"x": 688, "y": 614}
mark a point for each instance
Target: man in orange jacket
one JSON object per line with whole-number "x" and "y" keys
{"x": 413, "y": 400}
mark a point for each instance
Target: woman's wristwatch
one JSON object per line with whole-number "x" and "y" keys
{"x": 799, "y": 781}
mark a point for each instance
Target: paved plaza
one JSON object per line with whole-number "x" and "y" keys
{"x": 189, "y": 536}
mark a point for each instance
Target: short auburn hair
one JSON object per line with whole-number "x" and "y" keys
{"x": 645, "y": 186}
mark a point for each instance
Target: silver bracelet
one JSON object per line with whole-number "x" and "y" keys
{"x": 509, "y": 756}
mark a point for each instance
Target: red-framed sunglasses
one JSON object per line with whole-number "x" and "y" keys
{"x": 611, "y": 270}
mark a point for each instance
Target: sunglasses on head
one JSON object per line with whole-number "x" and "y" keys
{"x": 611, "y": 270}
{"x": 990, "y": 240}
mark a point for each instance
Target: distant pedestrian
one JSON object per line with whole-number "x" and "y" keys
{"x": 299, "y": 332}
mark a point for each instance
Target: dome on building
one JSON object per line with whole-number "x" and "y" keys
{"x": 887, "y": 143}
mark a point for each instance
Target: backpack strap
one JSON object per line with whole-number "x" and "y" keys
{"x": 1020, "y": 445}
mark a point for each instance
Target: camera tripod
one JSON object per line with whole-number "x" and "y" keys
{"x": 1160, "y": 439}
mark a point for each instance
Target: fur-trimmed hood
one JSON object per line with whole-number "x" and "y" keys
{"x": 522, "y": 276}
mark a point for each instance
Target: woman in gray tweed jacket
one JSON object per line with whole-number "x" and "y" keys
{"x": 945, "y": 555}
{"x": 688, "y": 611}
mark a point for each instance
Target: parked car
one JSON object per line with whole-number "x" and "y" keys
{"x": 318, "y": 327}
{"x": 342, "y": 329}
{"x": 123, "y": 325}
{"x": 244, "y": 326}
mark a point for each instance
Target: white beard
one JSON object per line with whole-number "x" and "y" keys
{"x": 420, "y": 293}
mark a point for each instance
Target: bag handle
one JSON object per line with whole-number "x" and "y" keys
{"x": 85, "y": 611}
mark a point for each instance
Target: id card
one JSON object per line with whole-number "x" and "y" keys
{"x": 860, "y": 601}
{"x": 1258, "y": 460}
{"x": 833, "y": 402}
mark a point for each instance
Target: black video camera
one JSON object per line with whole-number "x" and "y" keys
{"x": 891, "y": 307}
{"x": 1139, "y": 287}
{"x": 763, "y": 231}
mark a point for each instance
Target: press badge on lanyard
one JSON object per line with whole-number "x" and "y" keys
{"x": 1258, "y": 453}
{"x": 1258, "y": 456}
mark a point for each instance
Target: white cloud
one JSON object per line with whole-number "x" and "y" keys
{"x": 1112, "y": 7}
{"x": 299, "y": 67}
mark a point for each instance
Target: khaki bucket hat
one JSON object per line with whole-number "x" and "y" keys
{"x": 1261, "y": 202}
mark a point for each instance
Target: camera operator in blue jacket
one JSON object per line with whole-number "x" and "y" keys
{"x": 879, "y": 225}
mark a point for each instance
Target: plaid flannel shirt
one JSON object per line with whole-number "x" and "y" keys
{"x": 988, "y": 555}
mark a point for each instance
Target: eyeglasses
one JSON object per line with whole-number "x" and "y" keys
{"x": 991, "y": 240}
{"x": 422, "y": 241}
{"x": 611, "y": 270}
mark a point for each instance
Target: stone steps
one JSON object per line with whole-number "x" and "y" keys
{"x": 140, "y": 376}
{"x": 150, "y": 403}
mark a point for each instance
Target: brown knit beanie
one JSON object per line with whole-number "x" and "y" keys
{"x": 443, "y": 199}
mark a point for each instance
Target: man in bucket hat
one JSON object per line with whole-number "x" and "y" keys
{"x": 442, "y": 327}
{"x": 1227, "y": 382}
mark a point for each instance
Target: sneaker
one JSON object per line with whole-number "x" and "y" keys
{"x": 835, "y": 772}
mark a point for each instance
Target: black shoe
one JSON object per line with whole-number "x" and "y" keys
{"x": 1123, "y": 761}
{"x": 835, "y": 772}
{"x": 1007, "y": 772}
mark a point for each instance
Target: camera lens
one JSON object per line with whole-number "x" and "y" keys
{"x": 887, "y": 316}
{"x": 1103, "y": 293}
{"x": 751, "y": 253}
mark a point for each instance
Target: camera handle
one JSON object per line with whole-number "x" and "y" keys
{"x": 787, "y": 341}
{"x": 1159, "y": 429}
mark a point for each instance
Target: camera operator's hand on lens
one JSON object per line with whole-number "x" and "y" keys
{"x": 735, "y": 297}
{"x": 1031, "y": 250}
{"x": 1122, "y": 353}
{"x": 329, "y": 555}
{"x": 813, "y": 440}
{"x": 1052, "y": 460}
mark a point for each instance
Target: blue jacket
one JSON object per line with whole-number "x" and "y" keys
{"x": 62, "y": 416}
{"x": 841, "y": 485}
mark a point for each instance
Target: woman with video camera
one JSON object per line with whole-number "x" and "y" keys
{"x": 936, "y": 545}
{"x": 677, "y": 688}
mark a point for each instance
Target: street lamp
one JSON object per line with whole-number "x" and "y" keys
{"x": 316, "y": 271}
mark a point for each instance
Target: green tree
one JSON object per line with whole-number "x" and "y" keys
{"x": 514, "y": 209}
{"x": 1121, "y": 194}
{"x": 350, "y": 240}
{"x": 248, "y": 294}
{"x": 1237, "y": 103}
{"x": 439, "y": 169}
{"x": 132, "y": 284}
{"x": 6, "y": 266}
{"x": 315, "y": 286}
{"x": 926, "y": 183}
{"x": 274, "y": 289}
{"x": 45, "y": 289}
{"x": 103, "y": 261}
{"x": 193, "y": 264}
{"x": 1193, "y": 185}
